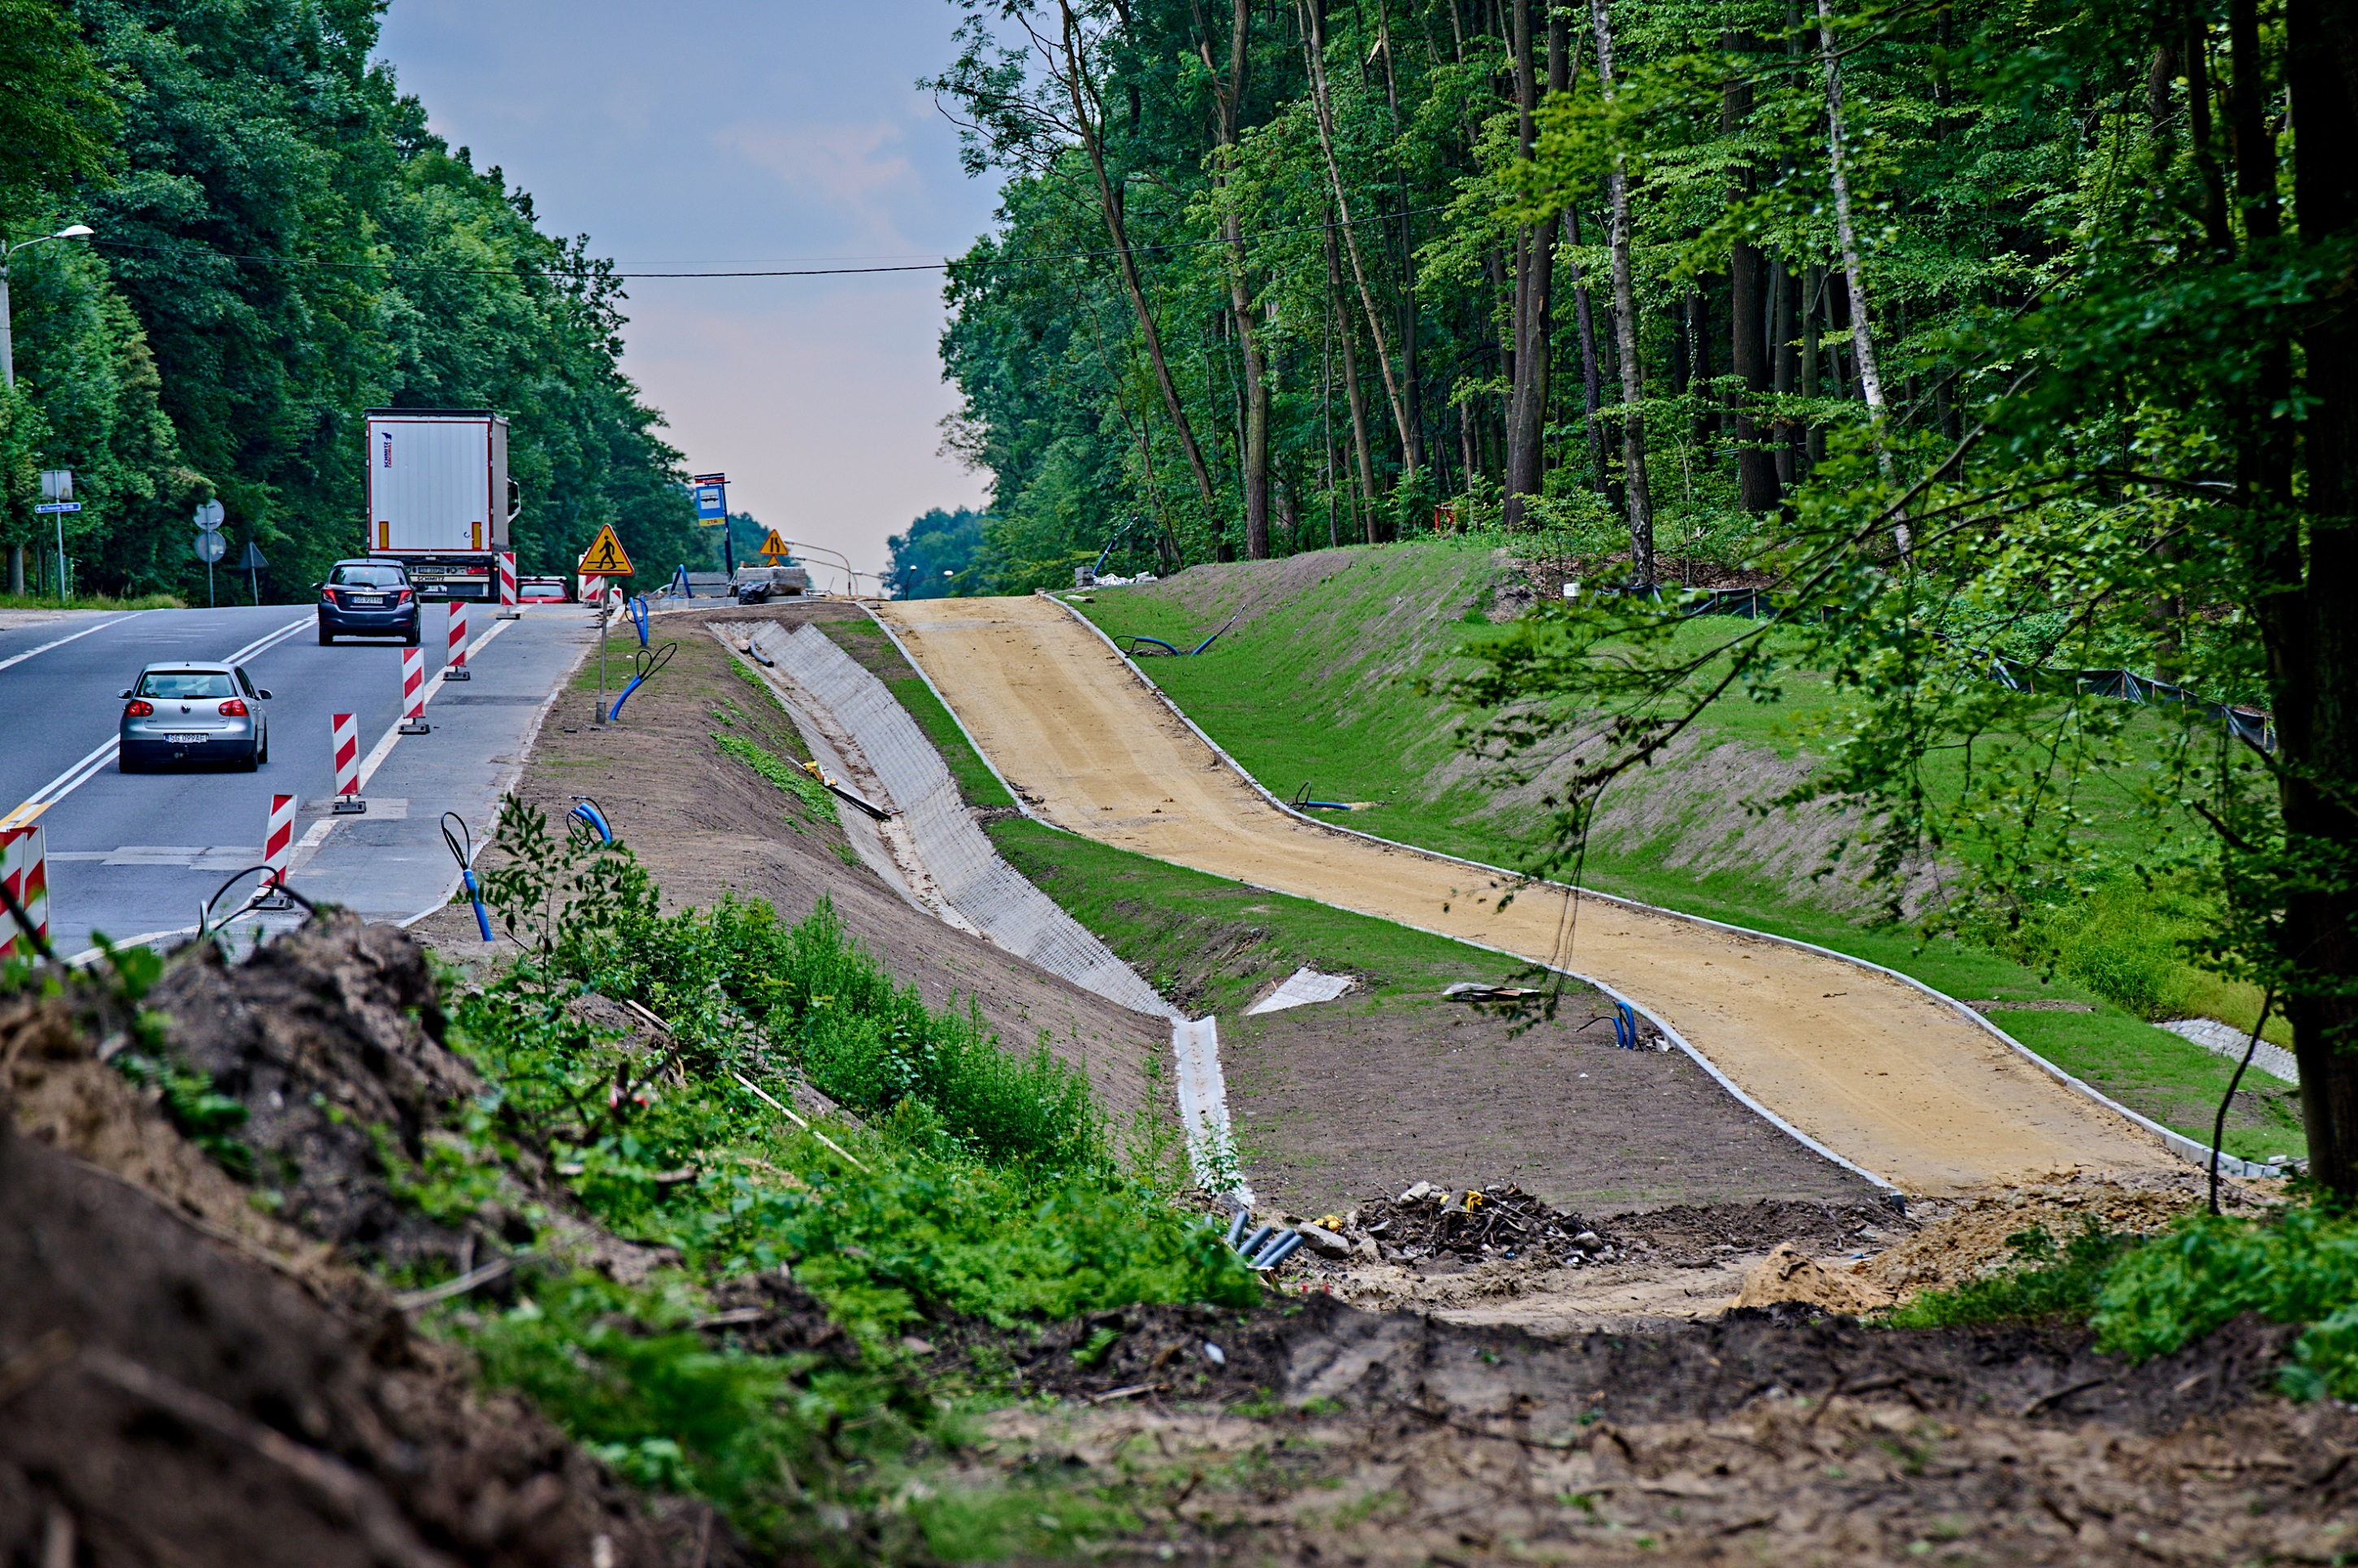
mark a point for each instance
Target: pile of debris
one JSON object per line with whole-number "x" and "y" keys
{"x": 1471, "y": 1225}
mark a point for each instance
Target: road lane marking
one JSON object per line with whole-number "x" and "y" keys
{"x": 61, "y": 641}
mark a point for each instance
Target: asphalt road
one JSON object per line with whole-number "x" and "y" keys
{"x": 134, "y": 856}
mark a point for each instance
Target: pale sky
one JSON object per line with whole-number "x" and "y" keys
{"x": 707, "y": 132}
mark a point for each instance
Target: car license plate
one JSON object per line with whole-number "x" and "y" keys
{"x": 371, "y": 599}
{"x": 183, "y": 739}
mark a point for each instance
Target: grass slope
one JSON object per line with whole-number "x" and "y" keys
{"x": 1317, "y": 682}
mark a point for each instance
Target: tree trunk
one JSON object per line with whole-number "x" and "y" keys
{"x": 1322, "y": 103}
{"x": 1748, "y": 336}
{"x": 1083, "y": 94}
{"x": 1625, "y": 331}
{"x": 1590, "y": 389}
{"x": 1351, "y": 392}
{"x": 1254, "y": 452}
{"x": 2312, "y": 638}
{"x": 1534, "y": 287}
{"x": 1870, "y": 378}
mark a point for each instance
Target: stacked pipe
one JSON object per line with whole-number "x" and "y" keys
{"x": 1266, "y": 1248}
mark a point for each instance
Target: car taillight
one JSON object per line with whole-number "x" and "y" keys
{"x": 233, "y": 708}
{"x": 328, "y": 596}
{"x": 135, "y": 708}
{"x": 404, "y": 596}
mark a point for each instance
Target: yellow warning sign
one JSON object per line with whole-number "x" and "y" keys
{"x": 774, "y": 545}
{"x": 605, "y": 558}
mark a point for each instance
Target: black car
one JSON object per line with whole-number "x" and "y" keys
{"x": 368, "y": 598}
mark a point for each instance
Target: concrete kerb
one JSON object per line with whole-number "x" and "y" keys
{"x": 2178, "y": 1143}
{"x": 957, "y": 862}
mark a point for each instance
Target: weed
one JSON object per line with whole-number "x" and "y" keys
{"x": 2041, "y": 1282}
{"x": 805, "y": 789}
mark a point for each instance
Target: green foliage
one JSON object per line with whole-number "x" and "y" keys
{"x": 281, "y": 243}
{"x": 799, "y": 784}
{"x": 2038, "y": 1281}
{"x": 190, "y": 1099}
{"x": 937, "y": 548}
{"x": 2299, "y": 1266}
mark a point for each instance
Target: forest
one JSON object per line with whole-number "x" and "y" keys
{"x": 280, "y": 243}
{"x": 1999, "y": 343}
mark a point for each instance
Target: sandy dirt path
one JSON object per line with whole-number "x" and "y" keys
{"x": 1872, "y": 1069}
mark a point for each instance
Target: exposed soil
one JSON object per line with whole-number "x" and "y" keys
{"x": 706, "y": 825}
{"x": 1869, "y": 1066}
{"x": 186, "y": 1379}
{"x": 1338, "y": 1101}
{"x": 1767, "y": 1437}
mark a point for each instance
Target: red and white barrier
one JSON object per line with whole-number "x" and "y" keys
{"x": 278, "y": 844}
{"x": 593, "y": 592}
{"x": 508, "y": 586}
{"x": 413, "y": 692}
{"x": 23, "y": 867}
{"x": 347, "y": 731}
{"x": 454, "y": 668}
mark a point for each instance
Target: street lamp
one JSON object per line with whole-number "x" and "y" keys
{"x": 8, "y": 362}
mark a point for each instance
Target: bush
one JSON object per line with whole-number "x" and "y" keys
{"x": 2040, "y": 1281}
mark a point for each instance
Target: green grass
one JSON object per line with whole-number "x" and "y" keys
{"x": 1321, "y": 686}
{"x": 95, "y": 601}
{"x": 791, "y": 780}
{"x": 1217, "y": 942}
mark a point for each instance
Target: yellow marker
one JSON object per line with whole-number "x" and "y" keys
{"x": 605, "y": 557}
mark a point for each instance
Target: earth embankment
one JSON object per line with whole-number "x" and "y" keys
{"x": 1867, "y": 1066}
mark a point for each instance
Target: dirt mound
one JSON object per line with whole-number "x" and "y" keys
{"x": 330, "y": 1037}
{"x": 171, "y": 1401}
{"x": 1469, "y": 1225}
{"x": 1974, "y": 1238}
{"x": 1788, "y": 1274}
{"x": 1687, "y": 1234}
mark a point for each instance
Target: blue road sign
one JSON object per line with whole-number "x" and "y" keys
{"x": 59, "y": 506}
{"x": 712, "y": 504}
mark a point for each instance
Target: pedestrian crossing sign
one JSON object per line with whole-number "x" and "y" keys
{"x": 774, "y": 545}
{"x": 605, "y": 557}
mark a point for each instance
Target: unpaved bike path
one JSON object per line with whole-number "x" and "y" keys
{"x": 1875, "y": 1070}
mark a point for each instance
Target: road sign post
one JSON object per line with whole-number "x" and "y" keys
{"x": 346, "y": 729}
{"x": 252, "y": 563}
{"x": 712, "y": 507}
{"x": 209, "y": 545}
{"x": 604, "y": 559}
{"x": 56, "y": 499}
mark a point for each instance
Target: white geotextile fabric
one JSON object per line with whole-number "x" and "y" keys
{"x": 1300, "y": 988}
{"x": 964, "y": 866}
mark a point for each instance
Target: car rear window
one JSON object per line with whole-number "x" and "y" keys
{"x": 185, "y": 683}
{"x": 366, "y": 577}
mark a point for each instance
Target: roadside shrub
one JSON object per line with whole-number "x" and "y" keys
{"x": 2040, "y": 1281}
{"x": 2298, "y": 1266}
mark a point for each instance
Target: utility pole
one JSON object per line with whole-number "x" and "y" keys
{"x": 8, "y": 373}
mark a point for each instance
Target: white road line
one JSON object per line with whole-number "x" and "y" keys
{"x": 61, "y": 641}
{"x": 83, "y": 772}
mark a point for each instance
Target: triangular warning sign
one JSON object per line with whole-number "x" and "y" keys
{"x": 605, "y": 558}
{"x": 774, "y": 545}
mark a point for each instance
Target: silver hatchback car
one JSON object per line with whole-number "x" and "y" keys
{"x": 196, "y": 713}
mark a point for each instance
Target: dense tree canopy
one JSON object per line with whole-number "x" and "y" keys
{"x": 281, "y": 244}
{"x": 1971, "y": 329}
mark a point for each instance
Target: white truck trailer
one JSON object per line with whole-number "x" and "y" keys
{"x": 439, "y": 500}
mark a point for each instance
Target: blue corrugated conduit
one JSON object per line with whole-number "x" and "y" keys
{"x": 587, "y": 820}
{"x": 638, "y": 607}
{"x": 1190, "y": 652}
{"x": 1625, "y": 1026}
{"x": 648, "y": 662}
{"x": 463, "y": 850}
